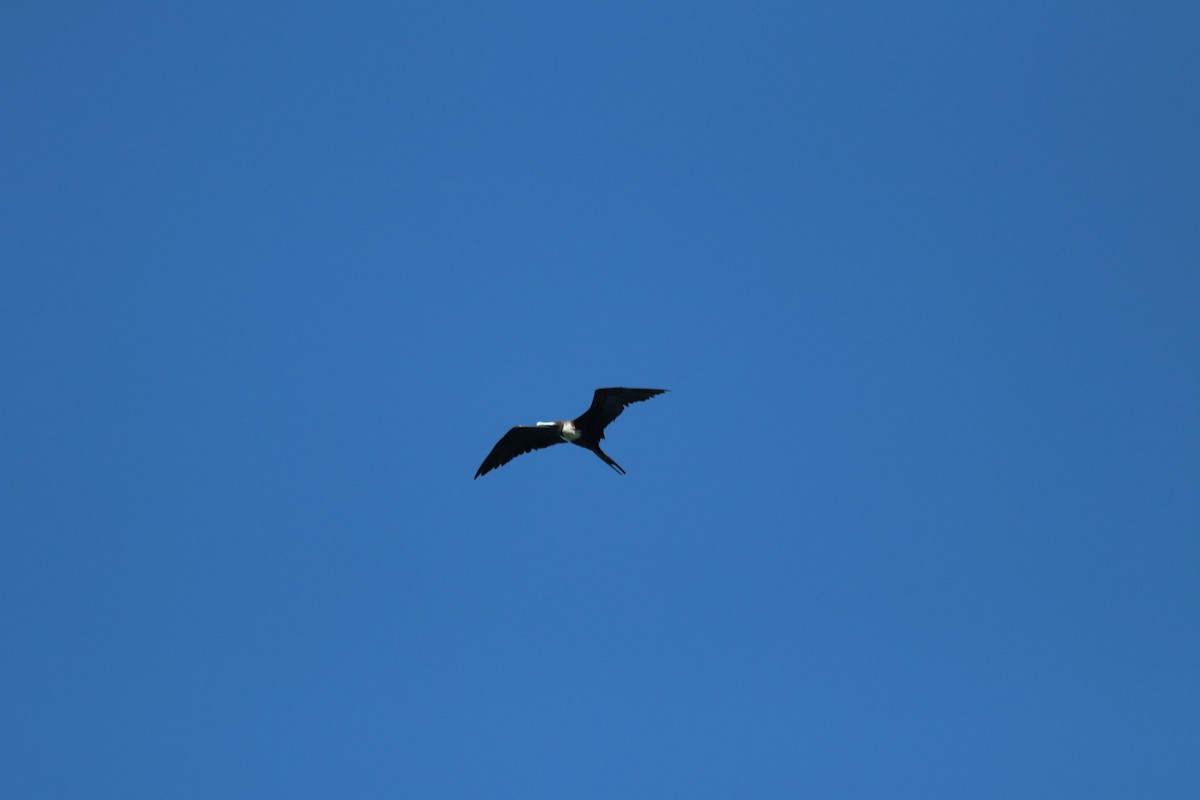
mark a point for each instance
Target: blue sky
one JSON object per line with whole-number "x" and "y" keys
{"x": 920, "y": 516}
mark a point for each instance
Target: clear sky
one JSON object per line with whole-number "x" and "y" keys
{"x": 919, "y": 518}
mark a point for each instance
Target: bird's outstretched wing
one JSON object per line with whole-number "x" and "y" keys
{"x": 607, "y": 405}
{"x": 516, "y": 442}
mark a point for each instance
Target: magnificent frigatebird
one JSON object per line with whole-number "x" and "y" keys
{"x": 586, "y": 430}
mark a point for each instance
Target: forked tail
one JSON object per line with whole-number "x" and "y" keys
{"x": 604, "y": 457}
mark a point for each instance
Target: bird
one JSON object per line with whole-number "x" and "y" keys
{"x": 586, "y": 430}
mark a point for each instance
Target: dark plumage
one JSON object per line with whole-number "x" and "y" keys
{"x": 586, "y": 430}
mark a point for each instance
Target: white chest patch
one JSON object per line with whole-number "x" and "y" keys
{"x": 569, "y": 434}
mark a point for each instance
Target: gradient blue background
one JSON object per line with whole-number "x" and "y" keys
{"x": 919, "y": 518}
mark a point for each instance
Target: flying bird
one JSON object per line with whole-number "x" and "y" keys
{"x": 586, "y": 430}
